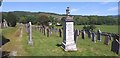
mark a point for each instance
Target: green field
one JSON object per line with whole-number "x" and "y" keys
{"x": 103, "y": 28}
{"x": 46, "y": 46}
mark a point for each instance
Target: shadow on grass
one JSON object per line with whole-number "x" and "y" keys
{"x": 5, "y": 54}
{"x": 3, "y": 40}
{"x": 58, "y": 45}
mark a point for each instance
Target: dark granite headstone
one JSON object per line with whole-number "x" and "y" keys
{"x": 60, "y": 32}
{"x": 75, "y": 35}
{"x": 99, "y": 35}
{"x": 89, "y": 34}
{"x": 83, "y": 34}
{"x": 93, "y": 37}
{"x": 44, "y": 31}
{"x": 115, "y": 47}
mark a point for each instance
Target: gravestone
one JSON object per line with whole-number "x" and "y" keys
{"x": 0, "y": 24}
{"x": 110, "y": 36}
{"x": 40, "y": 29}
{"x": 77, "y": 32}
{"x": 83, "y": 34}
{"x": 106, "y": 41}
{"x": 115, "y": 47}
{"x": 44, "y": 30}
{"x": 75, "y": 35}
{"x": 27, "y": 27}
{"x": 4, "y": 24}
{"x": 60, "y": 32}
{"x": 89, "y": 34}
{"x": 48, "y": 32}
{"x": 68, "y": 43}
{"x": 30, "y": 34}
{"x": 21, "y": 28}
{"x": 99, "y": 35}
{"x": 93, "y": 37}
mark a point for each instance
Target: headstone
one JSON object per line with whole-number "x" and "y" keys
{"x": 110, "y": 36}
{"x": 99, "y": 35}
{"x": 44, "y": 30}
{"x": 60, "y": 32}
{"x": 83, "y": 34}
{"x": 27, "y": 27}
{"x": 68, "y": 43}
{"x": 115, "y": 47}
{"x": 30, "y": 34}
{"x": 77, "y": 32}
{"x": 21, "y": 28}
{"x": 40, "y": 29}
{"x": 106, "y": 41}
{"x": 75, "y": 35}
{"x": 89, "y": 34}
{"x": 0, "y": 24}
{"x": 93, "y": 37}
{"x": 48, "y": 32}
{"x": 4, "y": 23}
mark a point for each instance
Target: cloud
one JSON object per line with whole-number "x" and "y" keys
{"x": 74, "y": 10}
{"x": 113, "y": 9}
{"x": 104, "y": 3}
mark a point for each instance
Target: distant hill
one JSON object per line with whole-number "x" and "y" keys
{"x": 59, "y": 16}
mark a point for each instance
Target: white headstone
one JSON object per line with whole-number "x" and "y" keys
{"x": 5, "y": 23}
{"x": 30, "y": 34}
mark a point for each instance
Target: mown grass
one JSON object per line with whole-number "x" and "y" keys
{"x": 46, "y": 46}
{"x": 14, "y": 44}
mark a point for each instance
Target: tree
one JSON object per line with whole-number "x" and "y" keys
{"x": 43, "y": 19}
{"x": 93, "y": 20}
{"x": 89, "y": 27}
{"x": 11, "y": 19}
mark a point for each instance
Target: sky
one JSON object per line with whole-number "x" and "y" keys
{"x": 76, "y": 8}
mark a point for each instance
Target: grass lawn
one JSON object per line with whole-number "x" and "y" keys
{"x": 46, "y": 46}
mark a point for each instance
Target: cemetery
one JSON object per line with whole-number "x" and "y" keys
{"x": 65, "y": 39}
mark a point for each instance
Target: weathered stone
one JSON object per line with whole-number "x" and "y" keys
{"x": 30, "y": 34}
{"x": 68, "y": 43}
{"x": 106, "y": 41}
{"x": 48, "y": 32}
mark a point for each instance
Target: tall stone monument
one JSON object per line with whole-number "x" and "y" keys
{"x": 30, "y": 34}
{"x": 68, "y": 43}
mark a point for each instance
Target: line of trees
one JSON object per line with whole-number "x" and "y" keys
{"x": 97, "y": 20}
{"x": 24, "y": 17}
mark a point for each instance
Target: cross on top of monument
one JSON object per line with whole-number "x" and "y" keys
{"x": 68, "y": 11}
